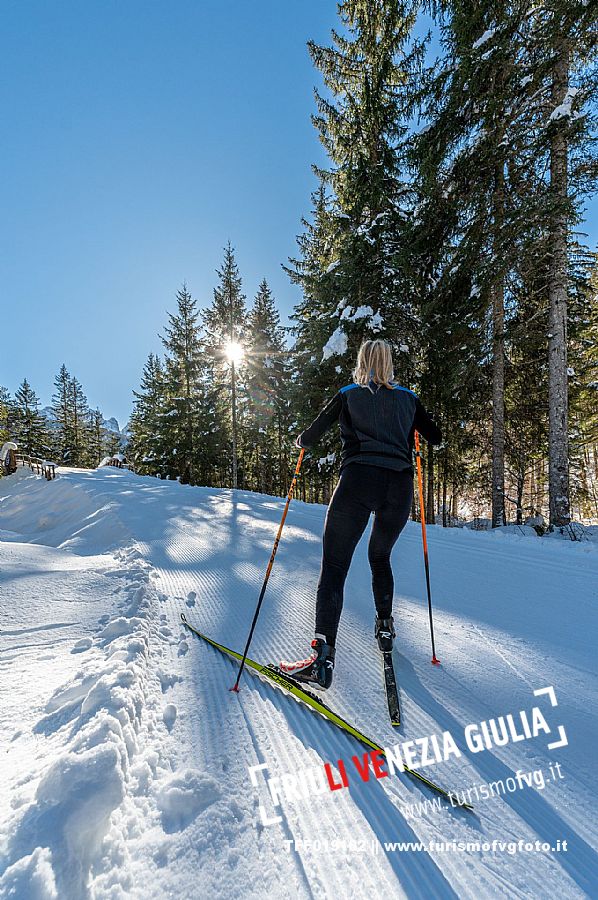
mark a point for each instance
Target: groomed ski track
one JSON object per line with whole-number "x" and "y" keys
{"x": 511, "y": 615}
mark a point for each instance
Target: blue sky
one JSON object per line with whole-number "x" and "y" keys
{"x": 137, "y": 139}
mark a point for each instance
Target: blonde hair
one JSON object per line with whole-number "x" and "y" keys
{"x": 374, "y": 363}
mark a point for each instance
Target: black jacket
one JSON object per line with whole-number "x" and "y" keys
{"x": 377, "y": 425}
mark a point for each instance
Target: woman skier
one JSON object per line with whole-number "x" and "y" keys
{"x": 377, "y": 421}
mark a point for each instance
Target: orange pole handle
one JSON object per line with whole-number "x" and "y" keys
{"x": 422, "y": 516}
{"x": 422, "y": 512}
{"x": 285, "y": 511}
{"x": 235, "y": 687}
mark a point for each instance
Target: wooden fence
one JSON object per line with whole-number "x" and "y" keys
{"x": 40, "y": 466}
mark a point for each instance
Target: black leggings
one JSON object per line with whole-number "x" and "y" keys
{"x": 361, "y": 490}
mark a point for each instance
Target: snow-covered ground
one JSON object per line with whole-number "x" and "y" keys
{"x": 125, "y": 759}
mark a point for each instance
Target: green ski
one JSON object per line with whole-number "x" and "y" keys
{"x": 280, "y": 679}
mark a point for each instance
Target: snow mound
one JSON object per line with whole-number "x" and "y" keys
{"x": 184, "y": 797}
{"x": 32, "y": 877}
{"x": 60, "y": 513}
{"x": 169, "y": 715}
{"x": 574, "y": 531}
{"x": 517, "y": 530}
{"x": 99, "y": 722}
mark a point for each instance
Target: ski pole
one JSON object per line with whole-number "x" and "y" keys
{"x": 422, "y": 516}
{"x": 235, "y": 687}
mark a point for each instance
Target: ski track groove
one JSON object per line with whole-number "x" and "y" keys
{"x": 282, "y": 643}
{"x": 217, "y": 544}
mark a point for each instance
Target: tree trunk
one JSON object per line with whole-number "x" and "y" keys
{"x": 430, "y": 518}
{"x": 234, "y": 422}
{"x": 498, "y": 363}
{"x": 520, "y": 488}
{"x": 558, "y": 399}
{"x": 444, "y": 519}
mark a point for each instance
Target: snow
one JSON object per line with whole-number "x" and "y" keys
{"x": 126, "y": 759}
{"x": 8, "y": 445}
{"x": 564, "y": 109}
{"x": 374, "y": 319}
{"x": 485, "y": 37}
{"x": 327, "y": 460}
{"x": 336, "y": 344}
{"x": 362, "y": 312}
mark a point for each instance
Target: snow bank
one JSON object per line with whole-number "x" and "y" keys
{"x": 102, "y": 713}
{"x": 32, "y": 877}
{"x": 60, "y": 513}
{"x": 574, "y": 531}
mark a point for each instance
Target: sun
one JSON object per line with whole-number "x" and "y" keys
{"x": 234, "y": 352}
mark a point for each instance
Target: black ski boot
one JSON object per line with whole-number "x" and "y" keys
{"x": 385, "y": 633}
{"x": 317, "y": 668}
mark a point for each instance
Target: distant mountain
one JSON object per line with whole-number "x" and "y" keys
{"x": 109, "y": 424}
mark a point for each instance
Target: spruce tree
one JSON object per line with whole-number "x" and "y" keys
{"x": 31, "y": 428}
{"x": 225, "y": 328}
{"x": 62, "y": 433}
{"x": 149, "y": 444}
{"x": 5, "y": 416}
{"x": 362, "y": 123}
{"x": 475, "y": 107}
{"x": 562, "y": 44}
{"x": 181, "y": 372}
{"x": 267, "y": 379}
{"x": 352, "y": 265}
{"x": 78, "y": 452}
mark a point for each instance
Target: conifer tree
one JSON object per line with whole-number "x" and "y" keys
{"x": 267, "y": 378}
{"x": 352, "y": 267}
{"x": 475, "y": 139}
{"x": 62, "y": 432}
{"x": 150, "y": 446}
{"x": 31, "y": 429}
{"x": 5, "y": 416}
{"x": 225, "y": 324}
{"x": 101, "y": 440}
{"x": 182, "y": 366}
{"x": 78, "y": 452}
{"x": 562, "y": 49}
{"x": 362, "y": 123}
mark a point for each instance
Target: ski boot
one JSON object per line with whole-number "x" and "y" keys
{"x": 317, "y": 668}
{"x": 385, "y": 633}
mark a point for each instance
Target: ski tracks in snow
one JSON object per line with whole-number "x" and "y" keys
{"x": 146, "y": 730}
